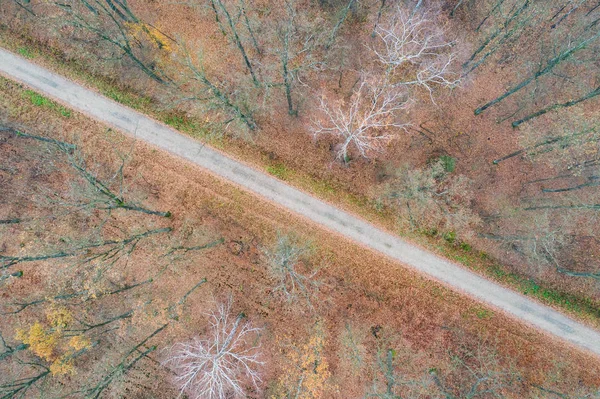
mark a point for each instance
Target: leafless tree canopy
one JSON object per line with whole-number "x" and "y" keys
{"x": 414, "y": 53}
{"x": 283, "y": 261}
{"x": 221, "y": 363}
{"x": 414, "y": 50}
{"x": 366, "y": 124}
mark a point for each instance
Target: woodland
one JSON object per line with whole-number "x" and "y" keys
{"x": 468, "y": 126}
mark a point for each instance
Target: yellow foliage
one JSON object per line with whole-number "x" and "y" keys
{"x": 48, "y": 341}
{"x": 59, "y": 318}
{"x": 307, "y": 370}
{"x": 79, "y": 342}
{"x": 156, "y": 37}
{"x": 63, "y": 365}
{"x": 21, "y": 335}
{"x": 41, "y": 342}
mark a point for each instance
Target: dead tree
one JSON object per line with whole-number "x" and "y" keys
{"x": 390, "y": 382}
{"x": 90, "y": 301}
{"x": 212, "y": 92}
{"x": 367, "y": 123}
{"x": 508, "y": 29}
{"x": 415, "y": 52}
{"x": 554, "y": 107}
{"x": 24, "y": 6}
{"x": 433, "y": 198}
{"x": 283, "y": 261}
{"x": 351, "y": 5}
{"x": 478, "y": 375}
{"x": 299, "y": 42}
{"x": 218, "y": 365}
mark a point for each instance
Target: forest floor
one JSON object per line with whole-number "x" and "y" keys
{"x": 416, "y": 315}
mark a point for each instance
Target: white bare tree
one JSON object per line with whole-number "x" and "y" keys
{"x": 218, "y": 366}
{"x": 414, "y": 50}
{"x": 368, "y": 122}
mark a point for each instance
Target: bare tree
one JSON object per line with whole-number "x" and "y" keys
{"x": 367, "y": 123}
{"x": 283, "y": 261}
{"x": 305, "y": 367}
{"x": 560, "y": 200}
{"x": 350, "y": 6}
{"x": 581, "y": 393}
{"x": 219, "y": 365}
{"x": 591, "y": 94}
{"x": 545, "y": 69}
{"x": 214, "y": 92}
{"x": 297, "y": 48}
{"x": 220, "y": 9}
{"x": 89, "y": 299}
{"x": 414, "y": 50}
{"x": 117, "y": 30}
{"x": 479, "y": 374}
{"x": 558, "y": 72}
{"x": 390, "y": 380}
{"x": 507, "y": 22}
{"x": 415, "y": 54}
{"x": 24, "y": 6}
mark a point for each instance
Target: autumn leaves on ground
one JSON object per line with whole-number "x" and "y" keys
{"x": 128, "y": 273}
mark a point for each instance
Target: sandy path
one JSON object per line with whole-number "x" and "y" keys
{"x": 433, "y": 266}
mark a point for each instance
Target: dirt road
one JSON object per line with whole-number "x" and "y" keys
{"x": 433, "y": 266}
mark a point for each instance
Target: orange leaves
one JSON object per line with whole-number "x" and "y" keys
{"x": 306, "y": 374}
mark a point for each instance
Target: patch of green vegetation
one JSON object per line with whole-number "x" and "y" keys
{"x": 191, "y": 127}
{"x": 465, "y": 247}
{"x": 449, "y": 163}
{"x": 579, "y": 305}
{"x": 181, "y": 123}
{"x": 483, "y": 313}
{"x": 175, "y": 121}
{"x": 26, "y": 52}
{"x": 450, "y": 237}
{"x": 466, "y": 260}
{"x": 359, "y": 201}
{"x": 437, "y": 292}
{"x": 322, "y": 187}
{"x": 279, "y": 170}
{"x": 37, "y": 99}
{"x": 379, "y": 206}
{"x": 480, "y": 312}
{"x": 40, "y": 101}
{"x": 497, "y": 271}
{"x": 123, "y": 97}
{"x": 430, "y": 232}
